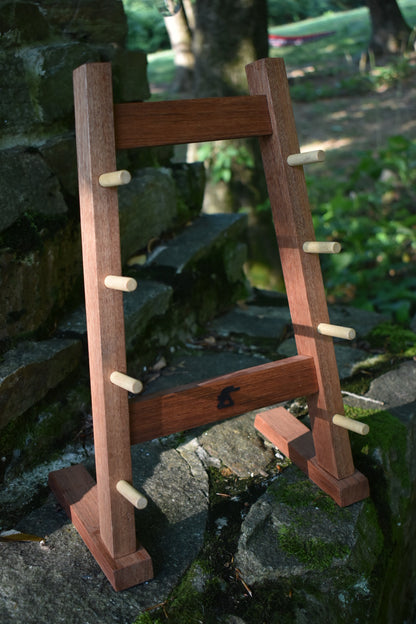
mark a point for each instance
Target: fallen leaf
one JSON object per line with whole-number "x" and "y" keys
{"x": 16, "y": 536}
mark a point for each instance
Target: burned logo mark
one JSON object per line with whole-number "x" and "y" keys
{"x": 224, "y": 398}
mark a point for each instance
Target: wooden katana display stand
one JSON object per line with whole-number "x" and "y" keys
{"x": 103, "y": 511}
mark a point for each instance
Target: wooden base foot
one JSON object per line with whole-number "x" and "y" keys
{"x": 75, "y": 490}
{"x": 294, "y": 439}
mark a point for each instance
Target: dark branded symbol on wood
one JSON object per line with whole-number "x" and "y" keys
{"x": 224, "y": 398}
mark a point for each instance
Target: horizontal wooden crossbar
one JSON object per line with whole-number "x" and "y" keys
{"x": 146, "y": 124}
{"x": 193, "y": 405}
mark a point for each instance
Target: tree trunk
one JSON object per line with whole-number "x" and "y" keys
{"x": 390, "y": 32}
{"x": 228, "y": 35}
{"x": 179, "y": 27}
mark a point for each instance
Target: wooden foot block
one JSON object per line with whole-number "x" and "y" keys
{"x": 75, "y": 490}
{"x": 295, "y": 441}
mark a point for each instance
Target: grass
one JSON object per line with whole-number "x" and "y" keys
{"x": 352, "y": 32}
{"x": 161, "y": 70}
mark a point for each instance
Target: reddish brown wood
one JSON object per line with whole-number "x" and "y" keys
{"x": 295, "y": 440}
{"x": 76, "y": 491}
{"x": 301, "y": 271}
{"x": 143, "y": 124}
{"x": 102, "y": 516}
{"x": 105, "y": 316}
{"x": 196, "y": 404}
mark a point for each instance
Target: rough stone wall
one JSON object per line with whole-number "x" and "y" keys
{"x": 44, "y": 397}
{"x": 42, "y": 41}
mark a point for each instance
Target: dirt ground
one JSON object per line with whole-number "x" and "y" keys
{"x": 345, "y": 126}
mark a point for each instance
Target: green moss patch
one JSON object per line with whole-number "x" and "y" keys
{"x": 303, "y": 493}
{"x": 386, "y": 443}
{"x": 395, "y": 339}
{"x": 316, "y": 553}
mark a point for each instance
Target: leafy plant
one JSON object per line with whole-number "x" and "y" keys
{"x": 220, "y": 159}
{"x": 373, "y": 214}
{"x": 146, "y": 28}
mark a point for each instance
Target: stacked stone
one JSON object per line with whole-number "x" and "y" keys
{"x": 41, "y": 43}
{"x": 41, "y": 354}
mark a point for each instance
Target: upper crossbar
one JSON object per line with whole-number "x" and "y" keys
{"x": 147, "y": 124}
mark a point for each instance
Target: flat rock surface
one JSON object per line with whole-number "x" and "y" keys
{"x": 348, "y": 358}
{"x": 59, "y": 581}
{"x": 280, "y": 521}
{"x": 237, "y": 446}
{"x": 394, "y": 391}
{"x": 30, "y": 370}
{"x": 270, "y": 322}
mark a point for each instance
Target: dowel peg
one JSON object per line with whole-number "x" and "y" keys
{"x": 336, "y": 331}
{"x": 350, "y": 424}
{"x": 114, "y": 178}
{"x": 131, "y": 494}
{"x": 127, "y": 383}
{"x": 306, "y": 158}
{"x": 330, "y": 247}
{"x": 118, "y": 282}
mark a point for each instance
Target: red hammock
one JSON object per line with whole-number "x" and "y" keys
{"x": 279, "y": 41}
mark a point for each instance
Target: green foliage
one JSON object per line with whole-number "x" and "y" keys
{"x": 373, "y": 214}
{"x": 147, "y": 30}
{"x": 286, "y": 11}
{"x": 310, "y": 91}
{"x": 220, "y": 159}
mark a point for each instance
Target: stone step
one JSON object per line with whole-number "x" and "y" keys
{"x": 162, "y": 311}
{"x": 208, "y": 234}
{"x": 30, "y": 370}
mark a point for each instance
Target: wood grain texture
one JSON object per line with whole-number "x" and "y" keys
{"x": 295, "y": 440}
{"x": 302, "y": 273}
{"x": 209, "y": 401}
{"x": 76, "y": 492}
{"x": 145, "y": 124}
{"x": 104, "y": 307}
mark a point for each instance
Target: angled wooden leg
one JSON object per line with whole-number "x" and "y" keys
{"x": 110, "y": 530}
{"x": 104, "y": 307}
{"x": 301, "y": 271}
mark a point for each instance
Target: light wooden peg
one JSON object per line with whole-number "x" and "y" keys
{"x": 336, "y": 331}
{"x": 114, "y": 178}
{"x": 131, "y": 494}
{"x": 127, "y": 383}
{"x": 350, "y": 424}
{"x": 306, "y": 158}
{"x": 118, "y": 282}
{"x": 321, "y": 247}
